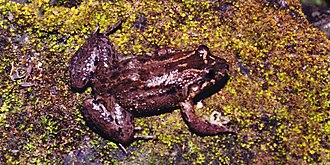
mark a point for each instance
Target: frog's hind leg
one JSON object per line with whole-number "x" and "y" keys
{"x": 198, "y": 125}
{"x": 109, "y": 119}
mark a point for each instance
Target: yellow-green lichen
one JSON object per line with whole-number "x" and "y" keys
{"x": 277, "y": 98}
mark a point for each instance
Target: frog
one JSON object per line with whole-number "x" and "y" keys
{"x": 144, "y": 85}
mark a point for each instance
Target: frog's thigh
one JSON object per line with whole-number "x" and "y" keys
{"x": 109, "y": 120}
{"x": 197, "y": 124}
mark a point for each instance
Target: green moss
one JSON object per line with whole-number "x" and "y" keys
{"x": 279, "y": 108}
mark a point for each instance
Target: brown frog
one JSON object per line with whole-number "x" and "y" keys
{"x": 144, "y": 85}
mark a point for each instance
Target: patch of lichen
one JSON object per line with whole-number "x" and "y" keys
{"x": 277, "y": 98}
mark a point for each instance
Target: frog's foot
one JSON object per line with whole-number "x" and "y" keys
{"x": 198, "y": 125}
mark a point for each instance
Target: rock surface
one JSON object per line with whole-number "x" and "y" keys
{"x": 277, "y": 98}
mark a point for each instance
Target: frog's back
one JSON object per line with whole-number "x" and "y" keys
{"x": 144, "y": 85}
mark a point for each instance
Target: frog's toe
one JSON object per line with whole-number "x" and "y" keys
{"x": 144, "y": 137}
{"x": 122, "y": 148}
{"x": 217, "y": 119}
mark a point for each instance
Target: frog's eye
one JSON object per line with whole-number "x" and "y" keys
{"x": 203, "y": 48}
{"x": 210, "y": 74}
{"x": 203, "y": 51}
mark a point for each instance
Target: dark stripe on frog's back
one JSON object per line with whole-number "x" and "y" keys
{"x": 178, "y": 61}
{"x": 174, "y": 57}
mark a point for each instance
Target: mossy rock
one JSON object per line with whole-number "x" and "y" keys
{"x": 277, "y": 98}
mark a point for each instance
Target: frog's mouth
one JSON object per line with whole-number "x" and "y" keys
{"x": 207, "y": 92}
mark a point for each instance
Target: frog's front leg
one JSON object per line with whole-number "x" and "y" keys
{"x": 198, "y": 125}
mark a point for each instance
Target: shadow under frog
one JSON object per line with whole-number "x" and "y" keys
{"x": 143, "y": 86}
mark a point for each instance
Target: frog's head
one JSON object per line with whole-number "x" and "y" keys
{"x": 214, "y": 74}
{"x": 214, "y": 67}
